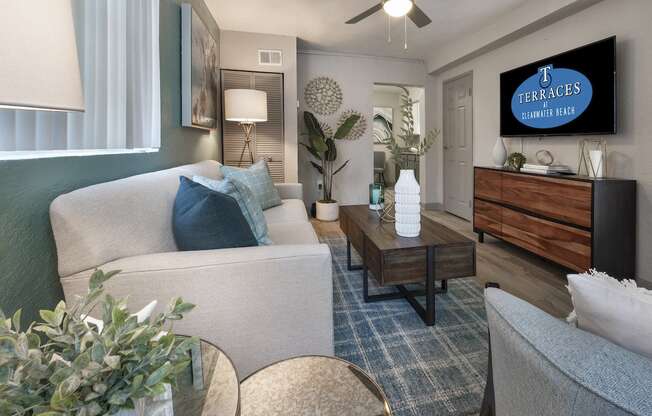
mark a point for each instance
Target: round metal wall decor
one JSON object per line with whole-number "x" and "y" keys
{"x": 323, "y": 95}
{"x": 358, "y": 129}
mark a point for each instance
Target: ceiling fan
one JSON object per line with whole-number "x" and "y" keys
{"x": 396, "y": 8}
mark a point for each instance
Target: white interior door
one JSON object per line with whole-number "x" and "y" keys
{"x": 458, "y": 146}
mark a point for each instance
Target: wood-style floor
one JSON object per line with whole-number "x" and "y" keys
{"x": 517, "y": 271}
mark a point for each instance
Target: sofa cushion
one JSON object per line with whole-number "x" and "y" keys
{"x": 617, "y": 311}
{"x": 204, "y": 219}
{"x": 258, "y": 179}
{"x": 290, "y": 210}
{"x": 292, "y": 233}
{"x": 248, "y": 203}
{"x": 122, "y": 218}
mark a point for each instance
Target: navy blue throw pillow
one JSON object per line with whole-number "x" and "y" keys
{"x": 204, "y": 219}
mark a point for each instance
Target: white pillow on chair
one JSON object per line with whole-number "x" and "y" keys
{"x": 616, "y": 310}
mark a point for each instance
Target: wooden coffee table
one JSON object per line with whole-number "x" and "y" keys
{"x": 439, "y": 253}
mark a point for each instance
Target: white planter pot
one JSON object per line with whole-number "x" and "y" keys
{"x": 328, "y": 211}
{"x": 407, "y": 199}
{"x": 158, "y": 406}
{"x": 499, "y": 154}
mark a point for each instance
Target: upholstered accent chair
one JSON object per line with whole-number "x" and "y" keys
{"x": 541, "y": 366}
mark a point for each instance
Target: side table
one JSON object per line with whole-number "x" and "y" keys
{"x": 217, "y": 392}
{"x": 312, "y": 385}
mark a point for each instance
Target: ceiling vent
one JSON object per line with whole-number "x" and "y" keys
{"x": 270, "y": 57}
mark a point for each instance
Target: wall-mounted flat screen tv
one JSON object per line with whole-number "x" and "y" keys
{"x": 567, "y": 94}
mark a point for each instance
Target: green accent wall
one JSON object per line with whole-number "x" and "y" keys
{"x": 28, "y": 261}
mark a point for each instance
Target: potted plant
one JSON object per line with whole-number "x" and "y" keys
{"x": 324, "y": 150}
{"x": 407, "y": 192}
{"x": 71, "y": 364}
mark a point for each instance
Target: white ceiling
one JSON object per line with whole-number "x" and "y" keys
{"x": 319, "y": 24}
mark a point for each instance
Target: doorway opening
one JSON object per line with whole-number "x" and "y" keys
{"x": 458, "y": 146}
{"x": 390, "y": 115}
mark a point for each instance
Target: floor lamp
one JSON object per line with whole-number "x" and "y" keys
{"x": 246, "y": 107}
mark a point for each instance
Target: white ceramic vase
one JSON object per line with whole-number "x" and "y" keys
{"x": 158, "y": 406}
{"x": 328, "y": 211}
{"x": 499, "y": 154}
{"x": 407, "y": 199}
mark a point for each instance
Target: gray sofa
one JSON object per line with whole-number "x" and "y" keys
{"x": 542, "y": 366}
{"x": 259, "y": 304}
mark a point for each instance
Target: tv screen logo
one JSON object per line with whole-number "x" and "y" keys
{"x": 552, "y": 97}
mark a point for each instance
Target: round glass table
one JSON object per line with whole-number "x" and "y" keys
{"x": 209, "y": 387}
{"x": 312, "y": 385}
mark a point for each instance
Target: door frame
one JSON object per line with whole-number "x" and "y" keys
{"x": 443, "y": 115}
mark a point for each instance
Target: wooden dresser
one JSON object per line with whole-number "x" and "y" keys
{"x": 575, "y": 221}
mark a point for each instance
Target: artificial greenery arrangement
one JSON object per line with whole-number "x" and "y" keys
{"x": 322, "y": 147}
{"x": 407, "y": 141}
{"x": 67, "y": 366}
{"x": 516, "y": 160}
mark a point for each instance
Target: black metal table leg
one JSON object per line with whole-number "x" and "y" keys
{"x": 365, "y": 282}
{"x": 427, "y": 314}
{"x": 348, "y": 256}
{"x": 430, "y": 287}
{"x": 444, "y": 286}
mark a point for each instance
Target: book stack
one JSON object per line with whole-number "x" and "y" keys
{"x": 545, "y": 169}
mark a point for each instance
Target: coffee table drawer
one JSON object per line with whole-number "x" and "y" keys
{"x": 409, "y": 266}
{"x": 452, "y": 262}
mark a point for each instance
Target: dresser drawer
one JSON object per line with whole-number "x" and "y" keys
{"x": 488, "y": 184}
{"x": 487, "y": 217}
{"x": 568, "y": 246}
{"x": 563, "y": 200}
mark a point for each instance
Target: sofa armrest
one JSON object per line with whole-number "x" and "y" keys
{"x": 542, "y": 365}
{"x": 290, "y": 190}
{"x": 259, "y": 304}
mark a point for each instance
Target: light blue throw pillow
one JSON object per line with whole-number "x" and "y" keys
{"x": 258, "y": 179}
{"x": 249, "y": 205}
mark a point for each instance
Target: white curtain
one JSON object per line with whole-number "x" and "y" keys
{"x": 118, "y": 45}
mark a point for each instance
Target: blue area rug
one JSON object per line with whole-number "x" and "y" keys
{"x": 438, "y": 370}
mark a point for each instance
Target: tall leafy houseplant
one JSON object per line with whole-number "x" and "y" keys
{"x": 68, "y": 366}
{"x": 407, "y": 141}
{"x": 324, "y": 150}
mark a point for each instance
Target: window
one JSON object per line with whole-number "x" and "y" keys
{"x": 118, "y": 47}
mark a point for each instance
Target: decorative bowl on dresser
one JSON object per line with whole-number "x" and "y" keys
{"x": 575, "y": 221}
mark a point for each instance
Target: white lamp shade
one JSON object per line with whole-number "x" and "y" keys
{"x": 245, "y": 106}
{"x": 39, "y": 68}
{"x": 397, "y": 8}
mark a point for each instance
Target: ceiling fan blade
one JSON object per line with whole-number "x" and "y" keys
{"x": 419, "y": 17}
{"x": 365, "y": 14}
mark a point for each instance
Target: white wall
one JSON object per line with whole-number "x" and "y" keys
{"x": 356, "y": 76}
{"x": 630, "y": 151}
{"x": 239, "y": 50}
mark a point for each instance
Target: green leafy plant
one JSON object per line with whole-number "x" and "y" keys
{"x": 67, "y": 366}
{"x": 516, "y": 160}
{"x": 322, "y": 148}
{"x": 407, "y": 141}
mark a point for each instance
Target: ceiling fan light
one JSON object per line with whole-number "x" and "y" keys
{"x": 397, "y": 8}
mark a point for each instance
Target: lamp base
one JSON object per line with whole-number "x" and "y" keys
{"x": 247, "y": 128}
